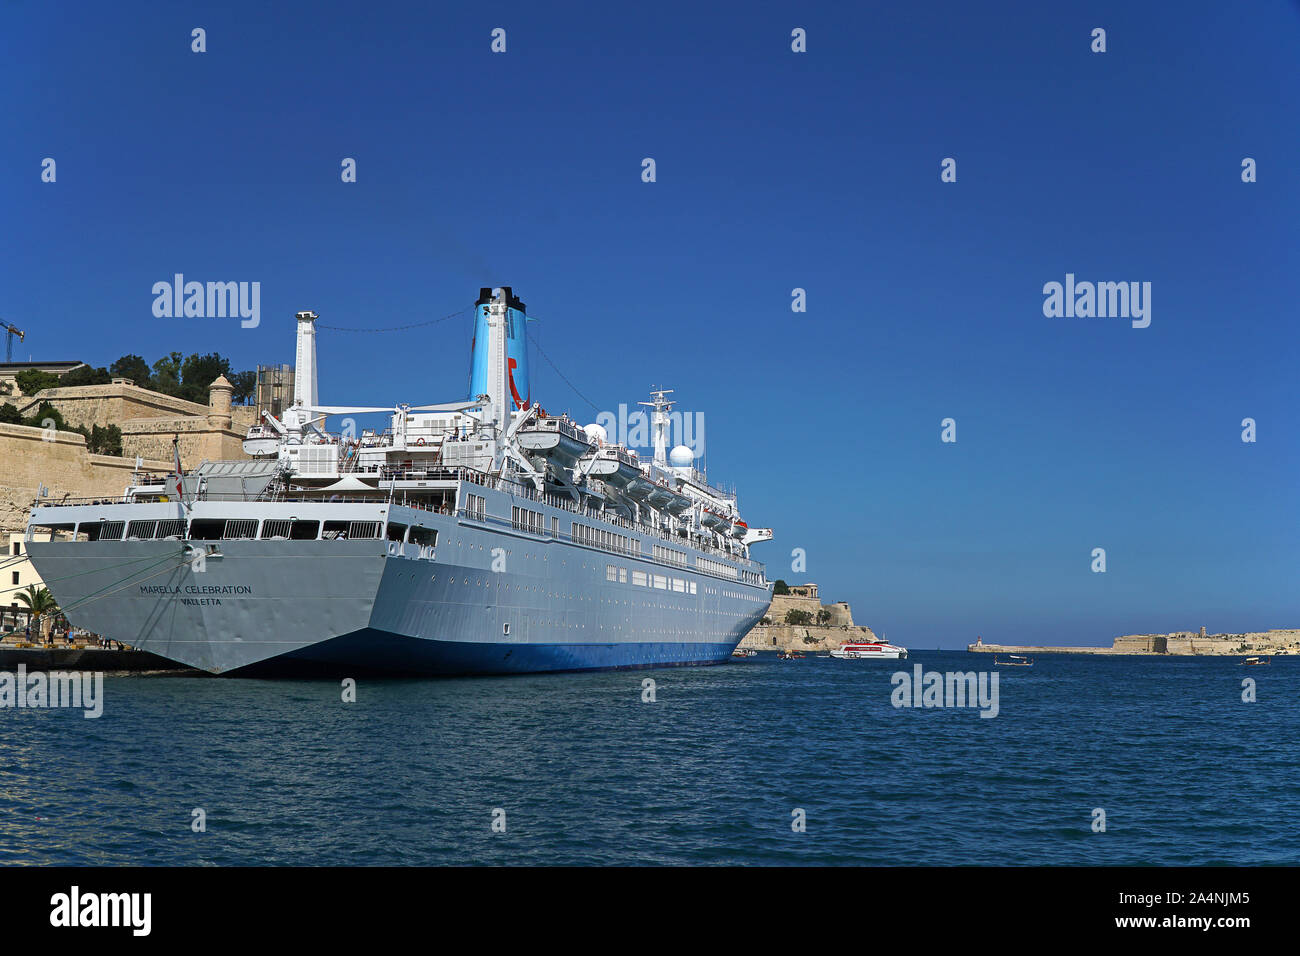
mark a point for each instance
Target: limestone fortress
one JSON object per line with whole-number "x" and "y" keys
{"x": 798, "y": 621}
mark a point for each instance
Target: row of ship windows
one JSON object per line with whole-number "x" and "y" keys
{"x": 235, "y": 529}
{"x": 543, "y": 592}
{"x": 535, "y": 589}
{"x": 607, "y": 540}
{"x": 644, "y": 580}
{"x": 525, "y": 519}
{"x": 738, "y": 595}
{"x": 671, "y": 556}
{"x": 620, "y": 575}
{"x": 522, "y": 519}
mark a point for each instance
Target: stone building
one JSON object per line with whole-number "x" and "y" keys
{"x": 777, "y": 635}
{"x": 212, "y": 433}
{"x": 88, "y": 405}
{"x": 60, "y": 462}
{"x": 802, "y": 597}
{"x": 149, "y": 420}
{"x": 1141, "y": 644}
{"x": 9, "y": 372}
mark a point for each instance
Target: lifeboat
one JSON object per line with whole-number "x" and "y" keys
{"x": 554, "y": 439}
{"x": 660, "y": 497}
{"x": 617, "y": 467}
{"x": 678, "y": 504}
{"x": 261, "y": 441}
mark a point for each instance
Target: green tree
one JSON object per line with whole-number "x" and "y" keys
{"x": 200, "y": 371}
{"x": 799, "y": 618}
{"x": 32, "y": 380}
{"x": 166, "y": 377}
{"x": 245, "y": 387}
{"x": 40, "y": 602}
{"x": 105, "y": 441}
{"x": 823, "y": 616}
{"x": 45, "y": 412}
{"x": 9, "y": 415}
{"x": 133, "y": 367}
{"x": 100, "y": 440}
{"x": 85, "y": 376}
{"x": 780, "y": 588}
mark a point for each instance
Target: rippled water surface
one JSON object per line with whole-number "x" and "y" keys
{"x": 709, "y": 773}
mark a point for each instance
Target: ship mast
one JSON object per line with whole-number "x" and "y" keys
{"x": 305, "y": 389}
{"x": 304, "y": 375}
{"x": 497, "y": 377}
{"x": 659, "y": 423}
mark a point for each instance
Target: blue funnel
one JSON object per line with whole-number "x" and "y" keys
{"x": 516, "y": 348}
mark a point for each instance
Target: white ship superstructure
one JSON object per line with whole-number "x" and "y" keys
{"x": 473, "y": 536}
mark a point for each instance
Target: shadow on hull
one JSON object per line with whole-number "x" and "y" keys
{"x": 374, "y": 653}
{"x": 92, "y": 659}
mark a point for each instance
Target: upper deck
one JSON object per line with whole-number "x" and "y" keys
{"x": 428, "y": 499}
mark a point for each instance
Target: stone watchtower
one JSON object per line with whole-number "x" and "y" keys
{"x": 219, "y": 418}
{"x": 219, "y": 393}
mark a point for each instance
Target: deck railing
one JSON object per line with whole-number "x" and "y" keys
{"x": 545, "y": 533}
{"x": 387, "y": 491}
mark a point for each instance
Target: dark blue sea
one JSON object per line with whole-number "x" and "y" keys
{"x": 711, "y": 772}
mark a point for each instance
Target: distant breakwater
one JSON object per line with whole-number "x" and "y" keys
{"x": 1174, "y": 644}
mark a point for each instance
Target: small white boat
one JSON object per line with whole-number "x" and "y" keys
{"x": 1016, "y": 660}
{"x": 867, "y": 650}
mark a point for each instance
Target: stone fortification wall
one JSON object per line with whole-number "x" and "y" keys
{"x": 30, "y": 457}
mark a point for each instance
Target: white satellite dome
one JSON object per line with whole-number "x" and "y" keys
{"x": 595, "y": 433}
{"x": 681, "y": 457}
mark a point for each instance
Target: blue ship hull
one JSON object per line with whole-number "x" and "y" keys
{"x": 371, "y": 651}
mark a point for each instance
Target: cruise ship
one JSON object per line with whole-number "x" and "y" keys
{"x": 478, "y": 536}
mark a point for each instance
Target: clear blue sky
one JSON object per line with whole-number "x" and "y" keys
{"x": 775, "y": 170}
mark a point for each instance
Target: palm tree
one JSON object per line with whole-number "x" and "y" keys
{"x": 40, "y": 602}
